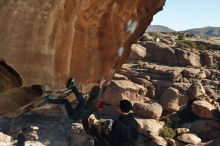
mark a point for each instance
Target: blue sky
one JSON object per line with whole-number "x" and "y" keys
{"x": 186, "y": 14}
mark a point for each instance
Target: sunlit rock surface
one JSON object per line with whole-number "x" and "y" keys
{"x": 48, "y": 41}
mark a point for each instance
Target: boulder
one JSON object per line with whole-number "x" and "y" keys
{"x": 188, "y": 58}
{"x": 214, "y": 142}
{"x": 17, "y": 98}
{"x": 161, "y": 53}
{"x": 141, "y": 81}
{"x": 147, "y": 85}
{"x": 162, "y": 72}
{"x": 123, "y": 89}
{"x": 161, "y": 86}
{"x": 173, "y": 142}
{"x": 5, "y": 138}
{"x": 203, "y": 109}
{"x": 148, "y": 110}
{"x": 138, "y": 52}
{"x": 34, "y": 143}
{"x": 211, "y": 93}
{"x": 192, "y": 73}
{"x": 125, "y": 71}
{"x": 182, "y": 87}
{"x": 207, "y": 58}
{"x": 181, "y": 131}
{"x": 119, "y": 77}
{"x": 196, "y": 91}
{"x": 159, "y": 141}
{"x": 150, "y": 127}
{"x": 216, "y": 58}
{"x": 208, "y": 73}
{"x": 172, "y": 100}
{"x": 146, "y": 37}
{"x": 167, "y": 41}
{"x": 79, "y": 137}
{"x": 205, "y": 126}
{"x": 189, "y": 138}
{"x": 201, "y": 74}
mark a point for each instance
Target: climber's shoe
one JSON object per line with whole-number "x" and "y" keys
{"x": 47, "y": 98}
{"x": 71, "y": 84}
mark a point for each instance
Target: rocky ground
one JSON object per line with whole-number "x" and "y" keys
{"x": 173, "y": 81}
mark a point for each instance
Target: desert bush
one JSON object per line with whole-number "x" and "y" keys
{"x": 140, "y": 64}
{"x": 216, "y": 48}
{"x": 169, "y": 122}
{"x": 190, "y": 44}
{"x": 155, "y": 35}
{"x": 167, "y": 132}
{"x": 181, "y": 36}
{"x": 204, "y": 37}
{"x": 202, "y": 47}
{"x": 186, "y": 44}
{"x": 46, "y": 142}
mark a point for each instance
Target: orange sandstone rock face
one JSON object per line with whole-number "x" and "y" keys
{"x": 48, "y": 41}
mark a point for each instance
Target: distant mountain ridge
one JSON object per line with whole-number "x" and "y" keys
{"x": 209, "y": 31}
{"x": 159, "y": 28}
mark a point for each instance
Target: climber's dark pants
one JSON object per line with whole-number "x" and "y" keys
{"x": 73, "y": 113}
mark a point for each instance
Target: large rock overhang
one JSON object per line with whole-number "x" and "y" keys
{"x": 44, "y": 42}
{"x": 48, "y": 41}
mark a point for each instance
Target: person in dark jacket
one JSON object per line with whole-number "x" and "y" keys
{"x": 21, "y": 137}
{"x": 125, "y": 129}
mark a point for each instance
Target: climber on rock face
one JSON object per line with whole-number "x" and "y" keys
{"x": 84, "y": 108}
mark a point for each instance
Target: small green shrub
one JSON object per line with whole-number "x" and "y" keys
{"x": 140, "y": 64}
{"x": 186, "y": 44}
{"x": 155, "y": 35}
{"x": 202, "y": 47}
{"x": 169, "y": 122}
{"x": 216, "y": 48}
{"x": 167, "y": 132}
{"x": 190, "y": 44}
{"x": 46, "y": 142}
{"x": 181, "y": 36}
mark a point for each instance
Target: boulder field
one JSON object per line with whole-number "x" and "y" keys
{"x": 178, "y": 95}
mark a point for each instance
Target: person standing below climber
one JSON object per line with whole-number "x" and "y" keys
{"x": 125, "y": 129}
{"x": 84, "y": 108}
{"x": 21, "y": 137}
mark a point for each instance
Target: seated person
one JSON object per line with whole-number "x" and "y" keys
{"x": 99, "y": 130}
